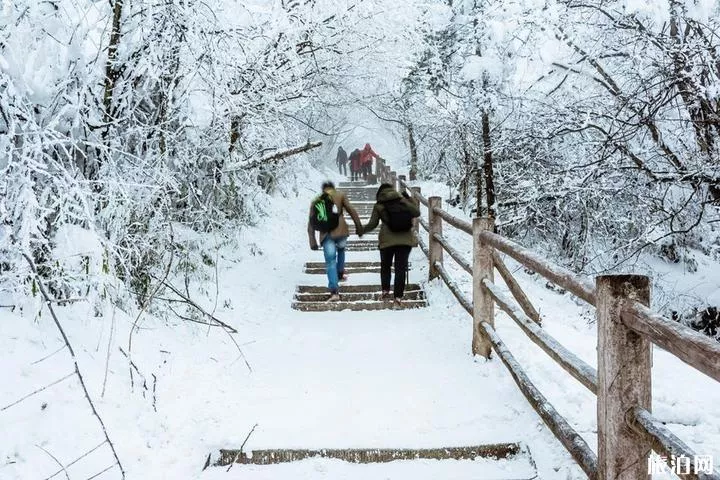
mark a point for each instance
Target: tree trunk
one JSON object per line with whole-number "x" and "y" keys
{"x": 488, "y": 165}
{"x": 413, "y": 152}
{"x": 467, "y": 173}
{"x": 478, "y": 188}
{"x": 234, "y": 132}
{"x": 111, "y": 72}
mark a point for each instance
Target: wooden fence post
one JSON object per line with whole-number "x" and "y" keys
{"x": 483, "y": 304}
{"x": 393, "y": 179}
{"x": 624, "y": 379}
{"x": 435, "y": 250}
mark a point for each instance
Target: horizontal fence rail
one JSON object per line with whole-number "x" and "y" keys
{"x": 663, "y": 440}
{"x": 563, "y": 431}
{"x": 627, "y": 329}
{"x": 582, "y": 372}
{"x": 694, "y": 348}
{"x": 558, "y": 275}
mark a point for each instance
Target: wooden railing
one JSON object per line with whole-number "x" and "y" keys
{"x": 627, "y": 328}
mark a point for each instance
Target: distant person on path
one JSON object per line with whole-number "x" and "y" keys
{"x": 326, "y": 217}
{"x": 396, "y": 237}
{"x": 342, "y": 160}
{"x": 366, "y": 158}
{"x": 355, "y": 165}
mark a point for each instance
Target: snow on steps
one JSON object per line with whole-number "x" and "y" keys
{"x": 350, "y": 267}
{"x": 353, "y": 297}
{"x": 361, "y": 245}
{"x": 341, "y": 305}
{"x": 356, "y": 296}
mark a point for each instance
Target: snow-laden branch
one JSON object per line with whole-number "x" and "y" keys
{"x": 273, "y": 158}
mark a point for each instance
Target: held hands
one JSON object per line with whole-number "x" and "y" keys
{"x": 360, "y": 231}
{"x": 314, "y": 246}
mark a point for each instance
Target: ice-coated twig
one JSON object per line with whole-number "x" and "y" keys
{"x": 240, "y": 452}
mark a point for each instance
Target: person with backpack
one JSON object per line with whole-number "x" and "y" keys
{"x": 396, "y": 237}
{"x": 355, "y": 165}
{"x": 342, "y": 160}
{"x": 326, "y": 217}
{"x": 366, "y": 157}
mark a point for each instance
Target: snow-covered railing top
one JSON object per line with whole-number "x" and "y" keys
{"x": 627, "y": 328}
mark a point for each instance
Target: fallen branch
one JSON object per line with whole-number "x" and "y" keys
{"x": 37, "y": 391}
{"x": 134, "y": 367}
{"x": 62, "y": 467}
{"x": 198, "y": 307}
{"x": 48, "y": 302}
{"x": 226, "y": 328}
{"x": 274, "y": 158}
{"x": 47, "y": 356}
{"x": 76, "y": 460}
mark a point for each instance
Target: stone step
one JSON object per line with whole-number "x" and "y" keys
{"x": 326, "y": 306}
{"x": 356, "y": 296}
{"x": 364, "y": 248}
{"x": 353, "y": 288}
{"x": 318, "y": 268}
{"x": 352, "y": 184}
{"x": 348, "y": 265}
{"x": 348, "y": 270}
{"x": 361, "y": 246}
{"x": 497, "y": 451}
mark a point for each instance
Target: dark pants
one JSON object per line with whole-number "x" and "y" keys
{"x": 354, "y": 174}
{"x": 366, "y": 169}
{"x": 401, "y": 253}
{"x": 342, "y": 166}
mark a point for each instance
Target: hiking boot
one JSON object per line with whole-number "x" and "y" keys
{"x": 342, "y": 277}
{"x": 397, "y": 304}
{"x": 334, "y": 297}
{"x": 385, "y": 296}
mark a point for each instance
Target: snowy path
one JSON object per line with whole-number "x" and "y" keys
{"x": 319, "y": 380}
{"x": 394, "y": 379}
{"x": 380, "y": 379}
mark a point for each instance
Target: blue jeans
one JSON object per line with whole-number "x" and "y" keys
{"x": 334, "y": 250}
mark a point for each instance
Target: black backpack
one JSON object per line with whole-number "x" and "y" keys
{"x": 398, "y": 216}
{"x": 325, "y": 217}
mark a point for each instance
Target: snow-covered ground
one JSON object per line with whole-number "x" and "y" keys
{"x": 331, "y": 380}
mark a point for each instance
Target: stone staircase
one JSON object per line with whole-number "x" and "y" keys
{"x": 499, "y": 461}
{"x": 362, "y": 262}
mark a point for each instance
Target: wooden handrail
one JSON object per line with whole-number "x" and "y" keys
{"x": 423, "y": 245}
{"x": 415, "y": 194}
{"x": 694, "y": 348}
{"x": 454, "y": 221}
{"x": 627, "y": 328}
{"x": 563, "y": 431}
{"x": 453, "y": 253}
{"x": 580, "y": 370}
{"x": 558, "y": 275}
{"x": 663, "y": 440}
{"x": 515, "y": 289}
{"x": 466, "y": 304}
